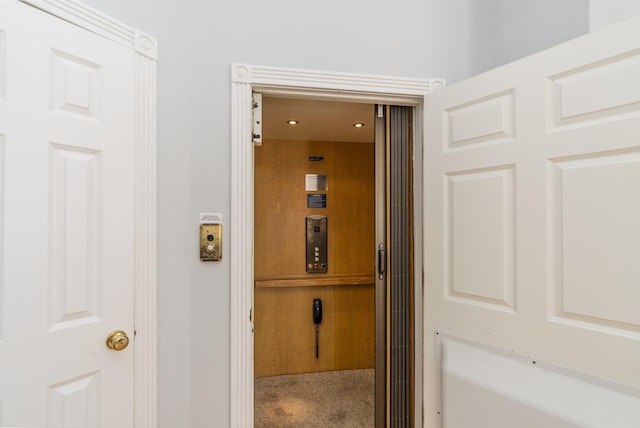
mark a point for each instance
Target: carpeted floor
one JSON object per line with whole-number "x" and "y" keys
{"x": 330, "y": 399}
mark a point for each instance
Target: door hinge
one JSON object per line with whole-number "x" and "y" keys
{"x": 256, "y": 128}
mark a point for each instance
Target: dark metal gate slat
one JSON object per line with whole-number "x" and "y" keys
{"x": 399, "y": 267}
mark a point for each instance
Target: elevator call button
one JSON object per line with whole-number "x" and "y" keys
{"x": 210, "y": 242}
{"x": 316, "y": 231}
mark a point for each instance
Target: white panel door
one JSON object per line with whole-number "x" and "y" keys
{"x": 532, "y": 232}
{"x": 66, "y": 223}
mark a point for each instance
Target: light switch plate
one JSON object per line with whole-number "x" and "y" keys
{"x": 210, "y": 242}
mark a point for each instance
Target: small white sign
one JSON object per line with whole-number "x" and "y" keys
{"x": 210, "y": 218}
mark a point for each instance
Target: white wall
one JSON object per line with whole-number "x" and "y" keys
{"x": 523, "y": 27}
{"x": 606, "y": 12}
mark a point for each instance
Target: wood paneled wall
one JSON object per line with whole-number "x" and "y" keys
{"x": 284, "y": 330}
{"x": 281, "y": 206}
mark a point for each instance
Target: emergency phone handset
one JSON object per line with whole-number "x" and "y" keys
{"x": 317, "y": 319}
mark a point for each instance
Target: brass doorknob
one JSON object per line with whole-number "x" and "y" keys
{"x": 117, "y": 340}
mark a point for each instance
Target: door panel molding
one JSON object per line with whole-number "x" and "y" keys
{"x": 145, "y": 48}
{"x": 246, "y": 78}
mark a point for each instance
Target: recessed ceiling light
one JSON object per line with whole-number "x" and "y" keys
{"x": 358, "y": 125}
{"x": 292, "y": 122}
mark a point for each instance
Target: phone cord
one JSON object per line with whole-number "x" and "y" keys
{"x": 317, "y": 334}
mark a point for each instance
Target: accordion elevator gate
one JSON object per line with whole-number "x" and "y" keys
{"x": 395, "y": 316}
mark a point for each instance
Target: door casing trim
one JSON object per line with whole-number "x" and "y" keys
{"x": 295, "y": 83}
{"x": 145, "y": 49}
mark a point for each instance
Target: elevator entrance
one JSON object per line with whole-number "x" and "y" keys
{"x": 352, "y": 165}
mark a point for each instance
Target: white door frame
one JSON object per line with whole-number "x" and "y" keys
{"x": 145, "y": 48}
{"x": 294, "y": 83}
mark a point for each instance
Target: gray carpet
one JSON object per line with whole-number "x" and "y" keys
{"x": 328, "y": 399}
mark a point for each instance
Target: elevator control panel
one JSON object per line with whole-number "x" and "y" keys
{"x": 210, "y": 242}
{"x": 316, "y": 244}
